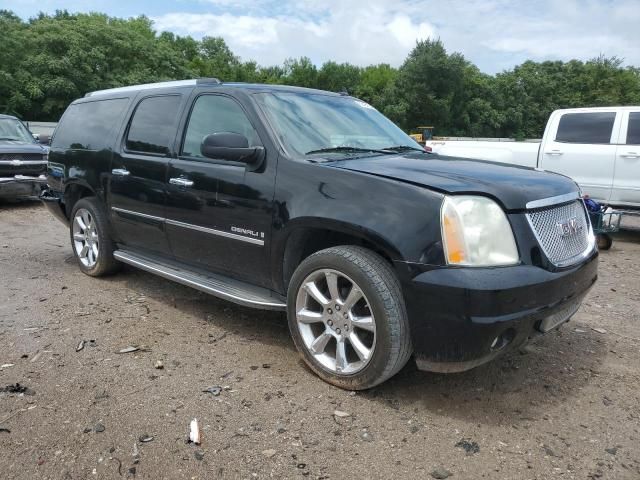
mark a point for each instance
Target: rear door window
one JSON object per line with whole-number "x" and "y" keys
{"x": 587, "y": 128}
{"x": 633, "y": 129}
{"x": 153, "y": 125}
{"x": 89, "y": 125}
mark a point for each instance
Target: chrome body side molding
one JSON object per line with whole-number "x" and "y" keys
{"x": 137, "y": 214}
{"x": 255, "y": 241}
{"x": 211, "y": 231}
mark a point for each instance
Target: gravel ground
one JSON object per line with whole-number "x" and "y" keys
{"x": 566, "y": 406}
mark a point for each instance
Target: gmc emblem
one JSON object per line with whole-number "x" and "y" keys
{"x": 568, "y": 227}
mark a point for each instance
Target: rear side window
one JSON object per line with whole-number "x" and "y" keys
{"x": 593, "y": 127}
{"x": 89, "y": 125}
{"x": 153, "y": 126}
{"x": 633, "y": 130}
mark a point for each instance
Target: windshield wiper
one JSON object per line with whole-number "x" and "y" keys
{"x": 404, "y": 148}
{"x": 348, "y": 150}
{"x": 9, "y": 138}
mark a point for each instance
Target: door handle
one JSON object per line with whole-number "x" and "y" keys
{"x": 630, "y": 155}
{"x": 181, "y": 182}
{"x": 554, "y": 152}
{"x": 120, "y": 172}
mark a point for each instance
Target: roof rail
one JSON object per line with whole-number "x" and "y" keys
{"x": 208, "y": 81}
{"x": 148, "y": 86}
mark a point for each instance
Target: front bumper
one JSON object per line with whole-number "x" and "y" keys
{"x": 20, "y": 186}
{"x": 463, "y": 317}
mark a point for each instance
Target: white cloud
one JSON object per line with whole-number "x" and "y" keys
{"x": 499, "y": 34}
{"x": 493, "y": 34}
{"x": 340, "y": 31}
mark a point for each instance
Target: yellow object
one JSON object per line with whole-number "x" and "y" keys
{"x": 426, "y": 133}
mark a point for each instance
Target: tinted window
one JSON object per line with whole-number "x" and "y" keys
{"x": 633, "y": 130}
{"x": 153, "y": 126}
{"x": 593, "y": 127}
{"x": 88, "y": 125}
{"x": 213, "y": 114}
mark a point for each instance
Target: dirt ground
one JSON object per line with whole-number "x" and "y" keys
{"x": 567, "y": 406}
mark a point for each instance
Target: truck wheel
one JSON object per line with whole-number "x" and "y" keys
{"x": 347, "y": 317}
{"x": 91, "y": 240}
{"x": 604, "y": 241}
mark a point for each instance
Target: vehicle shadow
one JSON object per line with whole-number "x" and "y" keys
{"x": 251, "y": 325}
{"x": 517, "y": 388}
{"x": 19, "y": 204}
{"x": 551, "y": 370}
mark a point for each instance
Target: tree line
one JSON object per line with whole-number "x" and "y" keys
{"x": 50, "y": 60}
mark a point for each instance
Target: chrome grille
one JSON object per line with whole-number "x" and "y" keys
{"x": 21, "y": 156}
{"x": 563, "y": 231}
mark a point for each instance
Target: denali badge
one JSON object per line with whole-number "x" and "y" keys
{"x": 246, "y": 231}
{"x": 568, "y": 227}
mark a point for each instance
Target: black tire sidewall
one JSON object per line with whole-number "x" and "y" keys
{"x": 370, "y": 375}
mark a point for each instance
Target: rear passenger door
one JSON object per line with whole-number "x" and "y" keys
{"x": 626, "y": 181}
{"x": 584, "y": 149}
{"x": 137, "y": 193}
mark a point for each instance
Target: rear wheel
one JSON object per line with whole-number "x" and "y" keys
{"x": 347, "y": 317}
{"x": 91, "y": 239}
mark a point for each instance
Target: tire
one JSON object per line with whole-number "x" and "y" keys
{"x": 604, "y": 241}
{"x": 337, "y": 327}
{"x": 97, "y": 260}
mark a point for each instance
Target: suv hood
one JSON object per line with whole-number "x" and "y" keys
{"x": 14, "y": 146}
{"x": 513, "y": 186}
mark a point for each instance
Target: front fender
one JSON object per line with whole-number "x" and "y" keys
{"x": 397, "y": 218}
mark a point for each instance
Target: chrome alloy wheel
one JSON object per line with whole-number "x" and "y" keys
{"x": 335, "y": 322}
{"x": 85, "y": 237}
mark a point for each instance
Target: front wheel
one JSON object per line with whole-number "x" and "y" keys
{"x": 91, "y": 239}
{"x": 347, "y": 317}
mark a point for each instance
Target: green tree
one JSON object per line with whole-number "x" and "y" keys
{"x": 431, "y": 87}
{"x": 300, "y": 72}
{"x": 338, "y": 77}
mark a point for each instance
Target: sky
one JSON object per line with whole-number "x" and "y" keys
{"x": 493, "y": 34}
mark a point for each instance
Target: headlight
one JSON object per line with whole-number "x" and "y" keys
{"x": 476, "y": 232}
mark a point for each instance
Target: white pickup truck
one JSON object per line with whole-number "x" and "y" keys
{"x": 598, "y": 147}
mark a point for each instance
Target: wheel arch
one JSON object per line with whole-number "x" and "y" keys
{"x": 304, "y": 237}
{"x": 73, "y": 192}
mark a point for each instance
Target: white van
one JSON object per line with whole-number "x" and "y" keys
{"x": 598, "y": 147}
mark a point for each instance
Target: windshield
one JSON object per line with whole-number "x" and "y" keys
{"x": 308, "y": 124}
{"x": 12, "y": 129}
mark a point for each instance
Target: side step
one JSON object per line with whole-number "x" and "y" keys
{"x": 217, "y": 285}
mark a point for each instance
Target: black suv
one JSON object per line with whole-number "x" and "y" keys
{"x": 23, "y": 162}
{"x": 314, "y": 203}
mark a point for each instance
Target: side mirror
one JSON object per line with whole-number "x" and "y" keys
{"x": 231, "y": 146}
{"x": 44, "y": 139}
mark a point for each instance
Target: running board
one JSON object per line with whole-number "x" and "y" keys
{"x": 217, "y": 285}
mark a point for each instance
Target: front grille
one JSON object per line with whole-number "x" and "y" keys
{"x": 563, "y": 231}
{"x": 21, "y": 156}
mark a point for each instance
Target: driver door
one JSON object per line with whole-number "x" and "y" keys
{"x": 219, "y": 212}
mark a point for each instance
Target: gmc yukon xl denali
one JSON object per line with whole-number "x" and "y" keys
{"x": 314, "y": 203}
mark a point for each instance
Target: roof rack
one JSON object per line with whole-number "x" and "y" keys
{"x": 148, "y": 86}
